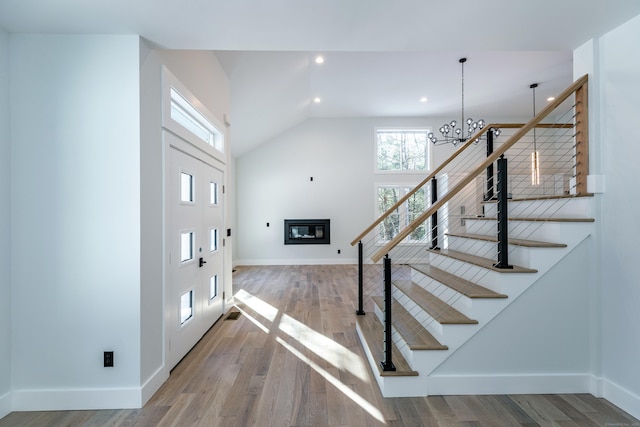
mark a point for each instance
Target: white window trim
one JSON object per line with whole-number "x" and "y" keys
{"x": 400, "y": 172}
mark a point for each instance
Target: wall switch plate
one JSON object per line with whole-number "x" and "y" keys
{"x": 108, "y": 359}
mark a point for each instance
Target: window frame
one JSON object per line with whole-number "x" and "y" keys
{"x": 403, "y": 214}
{"x": 428, "y": 147}
{"x": 199, "y": 113}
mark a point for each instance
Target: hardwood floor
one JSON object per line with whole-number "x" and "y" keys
{"x": 292, "y": 358}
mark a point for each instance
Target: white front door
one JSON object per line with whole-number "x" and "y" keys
{"x": 194, "y": 299}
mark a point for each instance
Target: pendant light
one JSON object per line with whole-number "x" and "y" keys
{"x": 535, "y": 156}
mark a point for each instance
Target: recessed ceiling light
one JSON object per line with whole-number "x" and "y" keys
{"x": 317, "y": 100}
{"x": 319, "y": 59}
{"x": 423, "y": 99}
{"x": 551, "y": 98}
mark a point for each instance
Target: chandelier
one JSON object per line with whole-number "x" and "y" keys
{"x": 456, "y": 135}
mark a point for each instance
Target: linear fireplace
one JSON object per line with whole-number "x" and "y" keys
{"x": 307, "y": 231}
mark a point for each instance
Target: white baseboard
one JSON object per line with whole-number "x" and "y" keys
{"x": 5, "y": 404}
{"x": 297, "y": 261}
{"x": 508, "y": 384}
{"x": 619, "y": 396}
{"x": 68, "y": 400}
{"x": 154, "y": 383}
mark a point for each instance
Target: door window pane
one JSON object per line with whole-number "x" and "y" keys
{"x": 213, "y": 238}
{"x": 214, "y": 193}
{"x": 186, "y": 306}
{"x": 186, "y": 187}
{"x": 186, "y": 246}
{"x": 213, "y": 287}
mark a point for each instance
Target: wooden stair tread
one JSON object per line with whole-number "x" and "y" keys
{"x": 516, "y": 242}
{"x": 412, "y": 332}
{"x": 481, "y": 262}
{"x": 489, "y": 218}
{"x": 442, "y": 312}
{"x": 373, "y": 334}
{"x": 532, "y": 199}
{"x": 463, "y": 286}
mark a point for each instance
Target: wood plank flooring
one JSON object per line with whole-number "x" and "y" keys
{"x": 293, "y": 359}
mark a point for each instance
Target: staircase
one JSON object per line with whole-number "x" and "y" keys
{"x": 440, "y": 304}
{"x": 442, "y": 286}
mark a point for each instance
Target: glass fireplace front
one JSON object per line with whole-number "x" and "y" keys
{"x": 307, "y": 231}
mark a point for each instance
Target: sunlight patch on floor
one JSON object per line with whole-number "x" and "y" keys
{"x": 326, "y": 348}
{"x": 266, "y": 310}
{"x": 345, "y": 389}
{"x": 254, "y": 321}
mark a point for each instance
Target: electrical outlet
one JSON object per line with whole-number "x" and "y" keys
{"x": 108, "y": 359}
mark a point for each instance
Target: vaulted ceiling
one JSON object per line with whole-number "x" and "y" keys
{"x": 381, "y": 56}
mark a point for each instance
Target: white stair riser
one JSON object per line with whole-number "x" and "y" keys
{"x": 505, "y": 283}
{"x": 479, "y": 309}
{"x": 523, "y": 256}
{"x": 393, "y": 386}
{"x": 579, "y": 207}
{"x": 549, "y": 231}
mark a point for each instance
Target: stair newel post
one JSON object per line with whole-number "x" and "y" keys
{"x": 387, "y": 364}
{"x": 360, "y": 310}
{"x": 434, "y": 217}
{"x": 489, "y": 194}
{"x": 503, "y": 232}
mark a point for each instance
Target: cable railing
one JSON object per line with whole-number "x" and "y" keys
{"x": 544, "y": 159}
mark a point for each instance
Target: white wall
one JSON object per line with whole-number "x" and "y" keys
{"x": 552, "y": 356}
{"x": 618, "y": 63}
{"x": 75, "y": 129}
{"x": 203, "y": 76}
{"x": 274, "y": 183}
{"x": 5, "y": 230}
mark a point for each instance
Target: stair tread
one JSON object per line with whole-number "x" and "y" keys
{"x": 527, "y": 199}
{"x": 442, "y": 312}
{"x": 463, "y": 286}
{"x": 547, "y": 219}
{"x": 516, "y": 242}
{"x": 373, "y": 334}
{"x": 481, "y": 262}
{"x": 412, "y": 332}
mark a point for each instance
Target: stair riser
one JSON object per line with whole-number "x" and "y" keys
{"x": 505, "y": 283}
{"x": 550, "y": 231}
{"x": 480, "y": 309}
{"x": 420, "y": 315}
{"x": 457, "y": 300}
{"x": 568, "y": 208}
{"x": 393, "y": 386}
{"x": 450, "y": 335}
{"x": 518, "y": 255}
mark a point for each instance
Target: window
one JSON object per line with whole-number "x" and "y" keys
{"x": 191, "y": 119}
{"x": 186, "y": 246}
{"x": 186, "y": 187}
{"x": 402, "y": 150}
{"x": 213, "y": 191}
{"x": 213, "y": 239}
{"x": 389, "y": 195}
{"x": 213, "y": 287}
{"x": 186, "y": 307}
